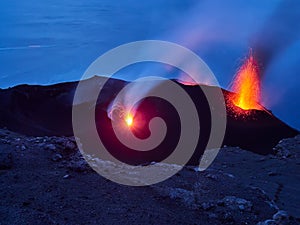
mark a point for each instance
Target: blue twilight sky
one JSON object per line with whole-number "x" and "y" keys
{"x": 44, "y": 42}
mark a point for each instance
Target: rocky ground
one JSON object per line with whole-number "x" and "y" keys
{"x": 44, "y": 180}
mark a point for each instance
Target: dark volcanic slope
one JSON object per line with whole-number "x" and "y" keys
{"x": 255, "y": 130}
{"x": 47, "y": 110}
{"x": 44, "y": 110}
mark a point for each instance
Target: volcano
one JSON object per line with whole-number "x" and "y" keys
{"x": 47, "y": 111}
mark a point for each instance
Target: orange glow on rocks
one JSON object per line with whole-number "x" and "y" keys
{"x": 247, "y": 86}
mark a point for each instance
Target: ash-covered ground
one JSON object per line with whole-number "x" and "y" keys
{"x": 45, "y": 180}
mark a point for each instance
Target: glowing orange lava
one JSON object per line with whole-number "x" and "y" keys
{"x": 129, "y": 120}
{"x": 246, "y": 85}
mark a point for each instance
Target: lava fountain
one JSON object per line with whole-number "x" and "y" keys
{"x": 247, "y": 86}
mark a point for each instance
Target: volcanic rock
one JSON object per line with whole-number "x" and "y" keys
{"x": 56, "y": 157}
{"x": 47, "y": 111}
{"x": 237, "y": 203}
{"x": 6, "y": 161}
{"x": 38, "y": 189}
{"x": 51, "y": 147}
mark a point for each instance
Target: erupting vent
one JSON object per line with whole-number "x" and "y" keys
{"x": 129, "y": 120}
{"x": 247, "y": 87}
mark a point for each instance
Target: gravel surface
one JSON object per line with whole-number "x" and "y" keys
{"x": 44, "y": 180}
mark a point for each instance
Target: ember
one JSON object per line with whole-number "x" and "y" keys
{"x": 129, "y": 120}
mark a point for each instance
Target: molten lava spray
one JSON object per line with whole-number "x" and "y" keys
{"x": 247, "y": 86}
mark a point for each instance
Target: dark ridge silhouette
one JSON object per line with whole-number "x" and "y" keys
{"x": 47, "y": 111}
